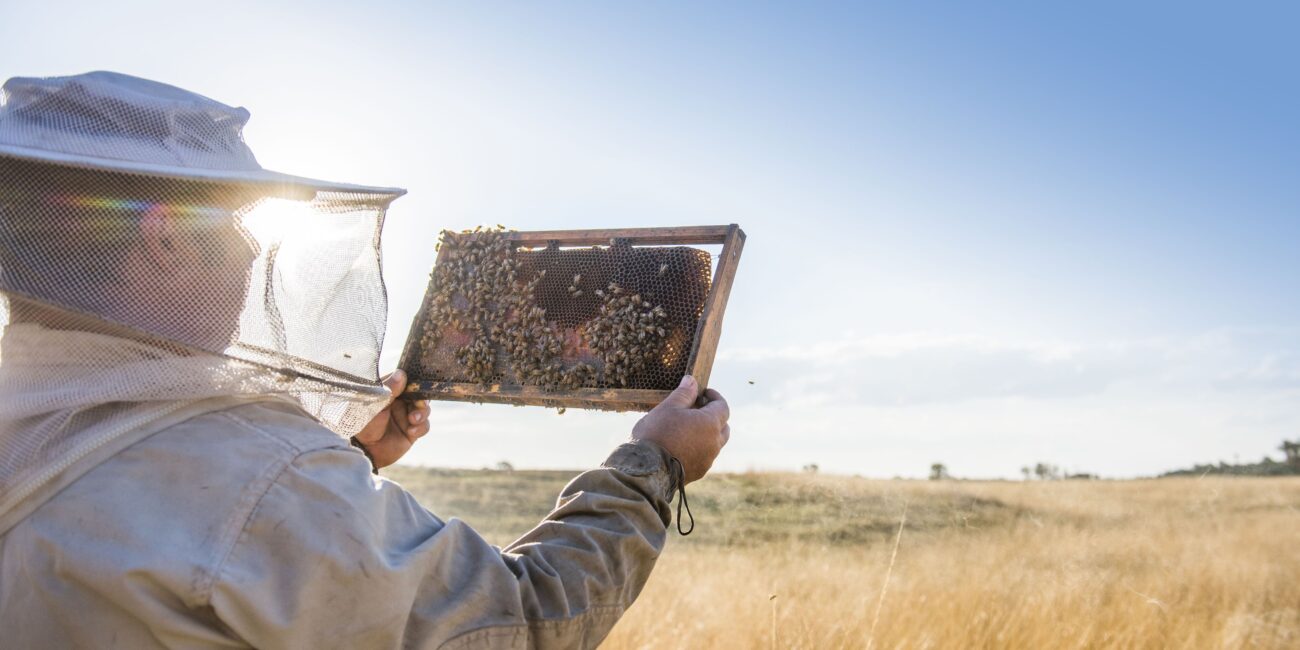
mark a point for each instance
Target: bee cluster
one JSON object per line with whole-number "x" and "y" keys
{"x": 484, "y": 309}
{"x": 627, "y": 332}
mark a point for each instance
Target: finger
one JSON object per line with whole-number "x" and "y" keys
{"x": 683, "y": 396}
{"x": 410, "y": 420}
{"x": 395, "y": 383}
{"x": 417, "y": 431}
{"x": 717, "y": 406}
{"x": 401, "y": 411}
{"x": 726, "y": 434}
{"x": 417, "y": 412}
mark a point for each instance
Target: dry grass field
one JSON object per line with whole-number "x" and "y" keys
{"x": 802, "y": 561}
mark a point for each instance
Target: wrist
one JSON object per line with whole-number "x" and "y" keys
{"x": 644, "y": 459}
{"x": 374, "y": 467}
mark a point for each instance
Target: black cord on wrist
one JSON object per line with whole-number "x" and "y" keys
{"x": 678, "y": 476}
{"x": 374, "y": 469}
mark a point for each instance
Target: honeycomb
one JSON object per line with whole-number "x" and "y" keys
{"x": 609, "y": 316}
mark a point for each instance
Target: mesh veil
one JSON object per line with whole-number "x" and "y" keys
{"x": 130, "y": 300}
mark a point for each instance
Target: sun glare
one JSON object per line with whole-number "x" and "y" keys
{"x": 272, "y": 219}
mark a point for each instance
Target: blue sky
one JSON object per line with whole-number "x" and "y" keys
{"x": 984, "y": 235}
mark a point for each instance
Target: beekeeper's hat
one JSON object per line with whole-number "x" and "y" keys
{"x": 117, "y": 122}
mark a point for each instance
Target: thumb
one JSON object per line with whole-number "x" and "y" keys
{"x": 395, "y": 383}
{"x": 682, "y": 397}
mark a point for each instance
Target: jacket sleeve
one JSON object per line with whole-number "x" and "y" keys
{"x": 335, "y": 557}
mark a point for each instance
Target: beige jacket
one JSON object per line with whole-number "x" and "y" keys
{"x": 254, "y": 526}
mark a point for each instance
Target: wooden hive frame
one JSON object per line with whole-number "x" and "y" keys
{"x": 703, "y": 349}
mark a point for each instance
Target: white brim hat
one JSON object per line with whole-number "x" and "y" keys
{"x": 118, "y": 123}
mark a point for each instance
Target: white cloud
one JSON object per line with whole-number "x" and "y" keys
{"x": 919, "y": 368}
{"x": 886, "y": 405}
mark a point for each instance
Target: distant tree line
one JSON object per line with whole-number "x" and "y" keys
{"x": 1050, "y": 472}
{"x": 1288, "y": 466}
{"x": 1041, "y": 471}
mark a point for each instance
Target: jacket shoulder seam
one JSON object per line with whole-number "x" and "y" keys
{"x": 230, "y": 540}
{"x": 263, "y": 432}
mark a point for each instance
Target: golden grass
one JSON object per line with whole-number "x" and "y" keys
{"x": 1171, "y": 563}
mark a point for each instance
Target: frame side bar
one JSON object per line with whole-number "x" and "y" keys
{"x": 417, "y": 322}
{"x": 705, "y": 346}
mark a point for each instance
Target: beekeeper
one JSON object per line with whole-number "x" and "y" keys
{"x": 190, "y": 410}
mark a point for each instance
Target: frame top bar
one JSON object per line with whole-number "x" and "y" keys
{"x": 679, "y": 235}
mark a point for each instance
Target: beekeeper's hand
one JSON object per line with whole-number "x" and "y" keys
{"x": 692, "y": 435}
{"x": 390, "y": 435}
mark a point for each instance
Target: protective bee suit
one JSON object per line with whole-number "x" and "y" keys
{"x": 188, "y": 341}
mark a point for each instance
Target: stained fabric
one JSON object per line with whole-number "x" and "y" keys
{"x": 255, "y": 527}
